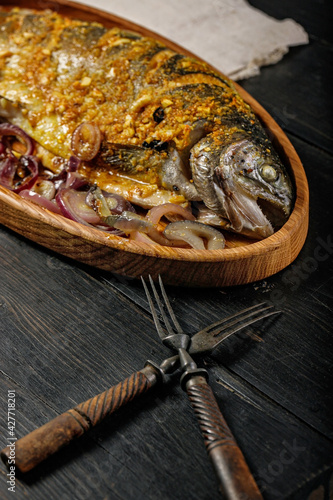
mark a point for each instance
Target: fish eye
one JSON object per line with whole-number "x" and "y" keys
{"x": 269, "y": 173}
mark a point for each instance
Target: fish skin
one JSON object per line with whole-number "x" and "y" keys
{"x": 57, "y": 73}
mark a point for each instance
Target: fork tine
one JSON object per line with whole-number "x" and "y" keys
{"x": 168, "y": 305}
{"x": 240, "y": 326}
{"x": 235, "y": 319}
{"x": 206, "y": 340}
{"x": 161, "y": 307}
{"x": 158, "y": 325}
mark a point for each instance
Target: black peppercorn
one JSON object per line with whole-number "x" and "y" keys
{"x": 158, "y": 114}
{"x": 156, "y": 145}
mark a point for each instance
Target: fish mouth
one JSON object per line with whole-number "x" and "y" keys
{"x": 244, "y": 211}
{"x": 255, "y": 213}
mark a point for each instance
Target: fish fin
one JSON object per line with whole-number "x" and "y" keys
{"x": 125, "y": 159}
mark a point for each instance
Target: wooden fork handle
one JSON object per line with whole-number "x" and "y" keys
{"x": 43, "y": 442}
{"x": 236, "y": 480}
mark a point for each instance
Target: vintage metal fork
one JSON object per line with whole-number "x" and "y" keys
{"x": 43, "y": 442}
{"x": 235, "y": 478}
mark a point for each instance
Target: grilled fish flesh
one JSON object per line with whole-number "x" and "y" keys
{"x": 173, "y": 129}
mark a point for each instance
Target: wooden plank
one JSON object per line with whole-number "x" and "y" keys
{"x": 66, "y": 339}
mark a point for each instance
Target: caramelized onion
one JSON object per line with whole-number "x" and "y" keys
{"x": 73, "y": 164}
{"x": 141, "y": 238}
{"x": 130, "y": 223}
{"x": 14, "y": 130}
{"x": 171, "y": 209}
{"x": 18, "y": 174}
{"x": 86, "y": 141}
{"x": 45, "y": 188}
{"x": 73, "y": 206}
{"x": 75, "y": 180}
{"x": 40, "y": 200}
{"x": 106, "y": 204}
{"x": 193, "y": 233}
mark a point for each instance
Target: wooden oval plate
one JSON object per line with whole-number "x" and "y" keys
{"x": 242, "y": 261}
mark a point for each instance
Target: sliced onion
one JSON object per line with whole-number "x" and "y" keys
{"x": 122, "y": 205}
{"x": 75, "y": 181}
{"x": 106, "y": 204}
{"x": 10, "y": 129}
{"x": 156, "y": 213}
{"x": 58, "y": 180}
{"x": 2, "y": 148}
{"x": 86, "y": 141}
{"x": 142, "y": 238}
{"x": 40, "y": 200}
{"x": 73, "y": 164}
{"x": 7, "y": 171}
{"x": 130, "y": 223}
{"x": 73, "y": 206}
{"x": 45, "y": 188}
{"x": 9, "y": 167}
{"x": 193, "y": 233}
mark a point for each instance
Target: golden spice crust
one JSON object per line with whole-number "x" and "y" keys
{"x": 62, "y": 72}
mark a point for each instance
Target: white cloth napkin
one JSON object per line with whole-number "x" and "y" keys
{"x": 229, "y": 34}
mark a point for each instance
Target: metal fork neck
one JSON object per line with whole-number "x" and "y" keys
{"x": 177, "y": 341}
{"x": 186, "y": 361}
{"x": 189, "y": 368}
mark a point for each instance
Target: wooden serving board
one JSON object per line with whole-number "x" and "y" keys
{"x": 242, "y": 261}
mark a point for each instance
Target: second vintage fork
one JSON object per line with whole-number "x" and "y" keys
{"x": 233, "y": 473}
{"x": 38, "y": 445}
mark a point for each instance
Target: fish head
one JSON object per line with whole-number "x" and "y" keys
{"x": 243, "y": 182}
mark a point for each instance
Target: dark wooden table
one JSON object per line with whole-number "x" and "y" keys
{"x": 69, "y": 332}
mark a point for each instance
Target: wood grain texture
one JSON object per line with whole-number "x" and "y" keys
{"x": 246, "y": 262}
{"x": 68, "y": 334}
{"x": 43, "y": 442}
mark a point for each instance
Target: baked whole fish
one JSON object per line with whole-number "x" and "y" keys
{"x": 172, "y": 129}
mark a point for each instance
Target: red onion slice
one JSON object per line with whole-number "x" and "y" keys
{"x": 73, "y": 164}
{"x": 86, "y": 141}
{"x": 156, "y": 213}
{"x": 106, "y": 204}
{"x": 44, "y": 188}
{"x": 75, "y": 181}
{"x": 194, "y": 233}
{"x": 142, "y": 238}
{"x": 14, "y": 130}
{"x": 73, "y": 206}
{"x": 40, "y": 200}
{"x": 7, "y": 171}
{"x": 9, "y": 168}
{"x": 130, "y": 223}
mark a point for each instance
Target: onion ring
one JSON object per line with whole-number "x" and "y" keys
{"x": 86, "y": 141}
{"x": 193, "y": 232}
{"x": 130, "y": 223}
{"x": 9, "y": 167}
{"x": 73, "y": 206}
{"x": 37, "y": 198}
{"x": 106, "y": 204}
{"x": 10, "y": 129}
{"x": 155, "y": 214}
